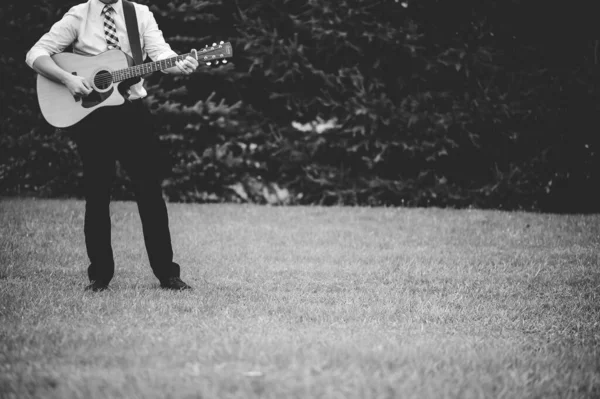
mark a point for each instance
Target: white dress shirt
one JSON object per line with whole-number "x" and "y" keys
{"x": 83, "y": 27}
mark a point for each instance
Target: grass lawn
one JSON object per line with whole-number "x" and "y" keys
{"x": 303, "y": 302}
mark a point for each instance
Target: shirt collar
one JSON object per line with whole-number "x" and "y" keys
{"x": 98, "y": 6}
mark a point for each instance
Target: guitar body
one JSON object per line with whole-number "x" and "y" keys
{"x": 57, "y": 104}
{"x": 110, "y": 74}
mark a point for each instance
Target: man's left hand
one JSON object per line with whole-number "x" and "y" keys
{"x": 188, "y": 65}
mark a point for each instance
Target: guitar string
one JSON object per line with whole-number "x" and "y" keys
{"x": 124, "y": 74}
{"x": 139, "y": 69}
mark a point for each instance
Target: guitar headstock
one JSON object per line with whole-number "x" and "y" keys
{"x": 215, "y": 53}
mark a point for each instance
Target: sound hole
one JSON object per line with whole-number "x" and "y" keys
{"x": 103, "y": 80}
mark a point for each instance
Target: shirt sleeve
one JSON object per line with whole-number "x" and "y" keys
{"x": 61, "y": 35}
{"x": 154, "y": 43}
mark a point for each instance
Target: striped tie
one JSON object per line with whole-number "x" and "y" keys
{"x": 110, "y": 29}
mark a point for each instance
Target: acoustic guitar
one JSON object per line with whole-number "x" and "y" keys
{"x": 110, "y": 74}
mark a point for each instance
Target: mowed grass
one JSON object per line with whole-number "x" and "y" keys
{"x": 304, "y": 302}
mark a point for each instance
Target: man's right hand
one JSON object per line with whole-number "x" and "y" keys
{"x": 78, "y": 86}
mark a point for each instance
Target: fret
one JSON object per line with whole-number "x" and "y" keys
{"x": 139, "y": 70}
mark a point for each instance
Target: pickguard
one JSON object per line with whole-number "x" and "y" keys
{"x": 126, "y": 84}
{"x": 95, "y": 98}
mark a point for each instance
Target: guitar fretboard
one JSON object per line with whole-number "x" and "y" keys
{"x": 144, "y": 69}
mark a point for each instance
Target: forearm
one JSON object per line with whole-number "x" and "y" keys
{"x": 45, "y": 66}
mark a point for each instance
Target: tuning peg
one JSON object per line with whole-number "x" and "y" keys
{"x": 217, "y": 62}
{"x": 214, "y": 44}
{"x": 224, "y": 61}
{"x": 208, "y": 63}
{"x": 222, "y": 42}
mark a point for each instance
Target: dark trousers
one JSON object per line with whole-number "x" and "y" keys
{"x": 123, "y": 133}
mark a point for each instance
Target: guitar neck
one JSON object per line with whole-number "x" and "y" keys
{"x": 144, "y": 69}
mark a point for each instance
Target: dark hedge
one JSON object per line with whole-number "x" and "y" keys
{"x": 488, "y": 104}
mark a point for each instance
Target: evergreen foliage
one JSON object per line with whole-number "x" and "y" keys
{"x": 366, "y": 102}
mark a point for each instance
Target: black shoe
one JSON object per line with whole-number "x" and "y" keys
{"x": 96, "y": 286}
{"x": 174, "y": 283}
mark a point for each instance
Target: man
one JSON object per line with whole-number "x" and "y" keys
{"x": 122, "y": 133}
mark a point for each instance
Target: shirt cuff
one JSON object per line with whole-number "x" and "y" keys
{"x": 34, "y": 54}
